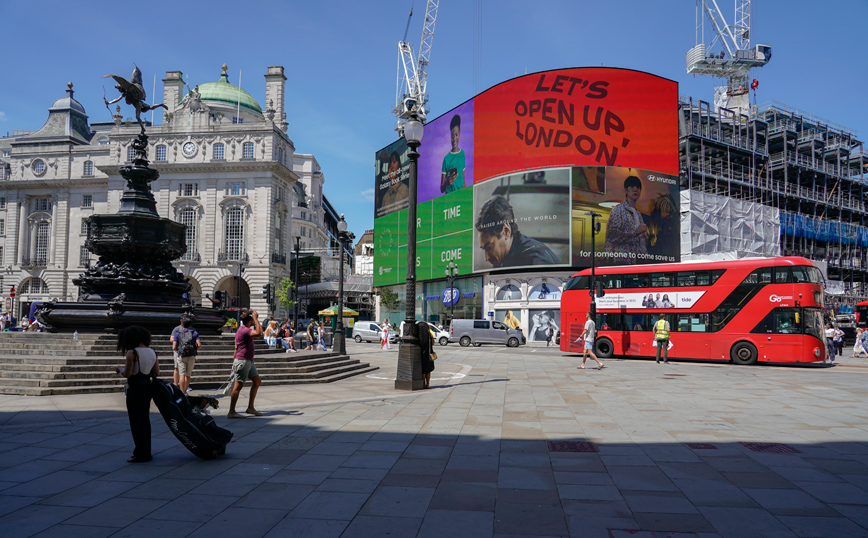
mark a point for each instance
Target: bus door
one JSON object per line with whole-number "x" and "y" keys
{"x": 778, "y": 335}
{"x": 685, "y": 343}
{"x": 638, "y": 336}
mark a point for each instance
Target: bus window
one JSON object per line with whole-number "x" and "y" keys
{"x": 662, "y": 280}
{"x": 814, "y": 275}
{"x": 693, "y": 323}
{"x": 717, "y": 273}
{"x": 612, "y": 282}
{"x": 578, "y": 283}
{"x": 789, "y": 320}
{"x": 799, "y": 274}
{"x": 609, "y": 322}
{"x": 759, "y": 276}
{"x": 689, "y": 278}
{"x": 722, "y": 316}
{"x": 813, "y": 322}
{"x": 783, "y": 275}
{"x": 637, "y": 322}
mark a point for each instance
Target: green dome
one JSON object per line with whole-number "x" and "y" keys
{"x": 227, "y": 94}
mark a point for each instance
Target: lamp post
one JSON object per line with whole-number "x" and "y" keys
{"x": 409, "y": 375}
{"x": 295, "y": 290}
{"x": 595, "y": 229}
{"x": 240, "y": 270}
{"x": 340, "y": 341}
{"x": 451, "y": 273}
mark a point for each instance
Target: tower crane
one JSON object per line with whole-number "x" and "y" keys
{"x": 735, "y": 58}
{"x": 411, "y": 95}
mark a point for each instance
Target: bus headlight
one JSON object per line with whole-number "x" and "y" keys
{"x": 816, "y": 352}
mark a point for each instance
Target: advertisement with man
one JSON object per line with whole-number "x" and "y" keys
{"x": 392, "y": 179}
{"x": 522, "y": 220}
{"x": 639, "y": 217}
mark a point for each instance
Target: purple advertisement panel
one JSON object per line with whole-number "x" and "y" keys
{"x": 446, "y": 155}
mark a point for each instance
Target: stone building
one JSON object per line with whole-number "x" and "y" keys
{"x": 228, "y": 170}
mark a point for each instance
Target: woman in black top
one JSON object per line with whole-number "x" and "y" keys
{"x": 426, "y": 342}
{"x": 141, "y": 366}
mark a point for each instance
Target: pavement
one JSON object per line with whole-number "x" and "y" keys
{"x": 507, "y": 443}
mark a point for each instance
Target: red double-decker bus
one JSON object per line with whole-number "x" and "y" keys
{"x": 767, "y": 310}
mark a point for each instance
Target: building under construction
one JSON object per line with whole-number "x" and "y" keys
{"x": 776, "y": 163}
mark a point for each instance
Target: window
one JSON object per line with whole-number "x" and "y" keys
{"x": 234, "y": 233}
{"x": 759, "y": 276}
{"x": 7, "y": 152}
{"x": 187, "y": 216}
{"x": 85, "y": 226}
{"x": 188, "y": 189}
{"x": 41, "y": 246}
{"x": 238, "y": 188}
{"x": 783, "y": 275}
{"x": 103, "y": 140}
{"x": 509, "y": 293}
{"x": 88, "y": 168}
{"x": 278, "y": 234}
{"x": 2, "y": 227}
{"x": 237, "y": 120}
{"x": 87, "y": 200}
{"x": 247, "y": 150}
{"x": 480, "y": 324}
{"x": 498, "y": 325}
{"x": 83, "y": 256}
{"x": 280, "y": 155}
{"x": 217, "y": 151}
{"x": 814, "y": 275}
{"x": 39, "y": 167}
{"x": 41, "y": 204}
{"x": 161, "y": 152}
{"x": 303, "y": 231}
{"x": 690, "y": 322}
{"x": 609, "y": 322}
{"x": 578, "y": 283}
{"x": 2, "y": 202}
{"x": 800, "y": 274}
{"x": 304, "y": 215}
{"x": 781, "y": 321}
{"x": 662, "y": 280}
{"x": 131, "y": 154}
{"x": 637, "y": 322}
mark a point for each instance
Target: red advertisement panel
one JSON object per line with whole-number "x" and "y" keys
{"x": 577, "y": 117}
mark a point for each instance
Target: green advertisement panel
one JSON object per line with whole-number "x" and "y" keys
{"x": 452, "y": 212}
{"x": 452, "y": 248}
{"x": 389, "y": 233}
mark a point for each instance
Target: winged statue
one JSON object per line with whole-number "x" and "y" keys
{"x": 133, "y": 92}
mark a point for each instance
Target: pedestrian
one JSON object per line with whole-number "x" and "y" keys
{"x": 185, "y": 345}
{"x": 588, "y": 335}
{"x": 285, "y": 338}
{"x": 242, "y": 365}
{"x": 140, "y": 367}
{"x": 310, "y": 335}
{"x": 858, "y": 347}
{"x": 176, "y": 375}
{"x": 271, "y": 333}
{"x": 320, "y": 337}
{"x": 426, "y": 343}
{"x": 384, "y": 336}
{"x": 839, "y": 340}
{"x": 829, "y": 333}
{"x": 661, "y": 336}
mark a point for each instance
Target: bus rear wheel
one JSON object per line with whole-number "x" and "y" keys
{"x": 604, "y": 348}
{"x": 743, "y": 353}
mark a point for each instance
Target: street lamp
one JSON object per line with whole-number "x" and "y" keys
{"x": 339, "y": 344}
{"x": 595, "y": 229}
{"x": 409, "y": 375}
{"x": 295, "y": 302}
{"x": 451, "y": 273}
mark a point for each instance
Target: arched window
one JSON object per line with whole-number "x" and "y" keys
{"x": 509, "y": 293}
{"x": 247, "y": 150}
{"x": 188, "y": 217}
{"x": 217, "y": 153}
{"x": 234, "y": 234}
{"x": 131, "y": 154}
{"x": 161, "y": 152}
{"x": 545, "y": 292}
{"x": 39, "y": 167}
{"x": 103, "y": 141}
{"x": 88, "y": 168}
{"x": 34, "y": 286}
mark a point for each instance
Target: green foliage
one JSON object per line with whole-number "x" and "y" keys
{"x": 284, "y": 293}
{"x": 389, "y": 299}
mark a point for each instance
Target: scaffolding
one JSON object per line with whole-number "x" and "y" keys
{"x": 813, "y": 171}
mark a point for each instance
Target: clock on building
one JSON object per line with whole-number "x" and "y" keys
{"x": 189, "y": 149}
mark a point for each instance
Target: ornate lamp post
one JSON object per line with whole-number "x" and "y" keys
{"x": 451, "y": 273}
{"x": 595, "y": 228}
{"x": 295, "y": 290}
{"x": 409, "y": 376}
{"x": 340, "y": 342}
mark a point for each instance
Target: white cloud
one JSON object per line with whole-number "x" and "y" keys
{"x": 2, "y": 116}
{"x": 368, "y": 195}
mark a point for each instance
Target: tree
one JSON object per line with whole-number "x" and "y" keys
{"x": 284, "y": 293}
{"x": 389, "y": 299}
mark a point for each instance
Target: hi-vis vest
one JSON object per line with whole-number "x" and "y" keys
{"x": 660, "y": 329}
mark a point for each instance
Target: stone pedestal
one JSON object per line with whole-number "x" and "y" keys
{"x": 409, "y": 375}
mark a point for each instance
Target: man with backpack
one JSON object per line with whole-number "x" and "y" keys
{"x": 185, "y": 344}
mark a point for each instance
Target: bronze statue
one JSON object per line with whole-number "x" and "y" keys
{"x": 133, "y": 92}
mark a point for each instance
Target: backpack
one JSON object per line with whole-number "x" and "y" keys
{"x": 186, "y": 343}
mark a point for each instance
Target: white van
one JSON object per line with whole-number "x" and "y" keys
{"x": 483, "y": 331}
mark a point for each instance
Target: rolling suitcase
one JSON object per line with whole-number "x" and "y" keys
{"x": 196, "y": 431}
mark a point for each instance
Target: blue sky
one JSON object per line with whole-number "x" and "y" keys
{"x": 341, "y": 59}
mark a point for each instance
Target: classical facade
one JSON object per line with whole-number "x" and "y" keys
{"x": 228, "y": 170}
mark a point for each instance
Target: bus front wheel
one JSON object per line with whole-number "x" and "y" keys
{"x": 743, "y": 353}
{"x": 604, "y": 348}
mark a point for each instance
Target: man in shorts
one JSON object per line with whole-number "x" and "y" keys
{"x": 243, "y": 367}
{"x": 184, "y": 361}
{"x": 176, "y": 375}
{"x": 589, "y": 334}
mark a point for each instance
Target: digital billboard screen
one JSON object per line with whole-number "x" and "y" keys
{"x": 505, "y": 179}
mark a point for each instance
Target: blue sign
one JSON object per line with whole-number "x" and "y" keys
{"x": 450, "y": 296}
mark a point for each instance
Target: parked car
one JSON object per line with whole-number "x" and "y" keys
{"x": 441, "y": 336}
{"x": 368, "y": 331}
{"x": 483, "y": 331}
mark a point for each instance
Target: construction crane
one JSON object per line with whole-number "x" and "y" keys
{"x": 411, "y": 96}
{"x": 735, "y": 57}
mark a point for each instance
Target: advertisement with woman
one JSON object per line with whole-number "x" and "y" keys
{"x": 393, "y": 179}
{"x": 543, "y": 325}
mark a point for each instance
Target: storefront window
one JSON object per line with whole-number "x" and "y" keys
{"x": 469, "y": 305}
{"x": 545, "y": 292}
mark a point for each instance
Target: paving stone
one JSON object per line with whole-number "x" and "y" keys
{"x": 186, "y": 509}
{"x": 11, "y": 503}
{"x": 488, "y": 476}
{"x": 398, "y": 502}
{"x": 33, "y": 519}
{"x": 527, "y": 518}
{"x": 117, "y": 512}
{"x": 457, "y": 524}
{"x": 235, "y": 521}
{"x": 731, "y": 522}
{"x": 452, "y": 496}
{"x": 90, "y": 493}
{"x": 379, "y": 526}
{"x": 330, "y": 505}
{"x": 641, "y": 478}
{"x": 702, "y": 492}
{"x": 836, "y": 493}
{"x": 76, "y": 531}
{"x": 275, "y": 496}
{"x": 658, "y": 502}
{"x": 823, "y": 527}
{"x": 307, "y": 528}
{"x": 789, "y": 502}
{"x": 759, "y": 480}
{"x": 52, "y": 483}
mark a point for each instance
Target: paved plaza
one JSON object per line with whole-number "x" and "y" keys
{"x": 507, "y": 442}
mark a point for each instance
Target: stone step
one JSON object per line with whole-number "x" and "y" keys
{"x": 103, "y": 364}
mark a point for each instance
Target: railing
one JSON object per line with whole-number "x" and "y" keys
{"x": 277, "y": 257}
{"x": 34, "y": 262}
{"x": 232, "y": 257}
{"x": 191, "y": 257}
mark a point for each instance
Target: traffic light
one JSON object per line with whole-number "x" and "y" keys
{"x": 266, "y": 291}
{"x": 600, "y": 290}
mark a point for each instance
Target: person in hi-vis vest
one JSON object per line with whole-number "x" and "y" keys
{"x": 661, "y": 333}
